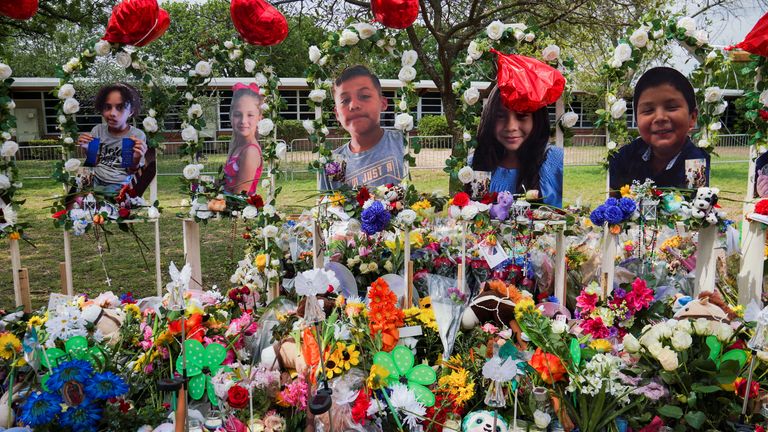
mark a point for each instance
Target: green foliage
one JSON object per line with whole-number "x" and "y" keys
{"x": 433, "y": 125}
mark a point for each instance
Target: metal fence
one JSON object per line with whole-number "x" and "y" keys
{"x": 584, "y": 150}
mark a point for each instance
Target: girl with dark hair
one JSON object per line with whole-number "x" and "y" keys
{"x": 244, "y": 162}
{"x": 514, "y": 147}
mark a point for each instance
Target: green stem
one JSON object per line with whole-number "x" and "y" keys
{"x": 10, "y": 393}
{"x": 392, "y": 410}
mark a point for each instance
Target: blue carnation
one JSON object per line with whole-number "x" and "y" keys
{"x": 611, "y": 202}
{"x": 106, "y": 385}
{"x": 613, "y": 215}
{"x": 598, "y": 215}
{"x": 40, "y": 408}
{"x": 73, "y": 370}
{"x": 375, "y": 218}
{"x": 627, "y": 206}
{"x": 82, "y": 418}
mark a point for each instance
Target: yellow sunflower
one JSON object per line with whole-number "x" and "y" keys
{"x": 9, "y": 345}
{"x": 348, "y": 354}
{"x": 333, "y": 365}
{"x": 37, "y": 320}
{"x": 376, "y": 378}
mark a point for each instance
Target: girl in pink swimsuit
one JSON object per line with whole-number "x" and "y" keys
{"x": 244, "y": 162}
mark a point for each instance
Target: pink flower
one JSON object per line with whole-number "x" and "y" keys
{"x": 295, "y": 394}
{"x": 640, "y": 297}
{"x": 233, "y": 424}
{"x": 490, "y": 328}
{"x": 586, "y": 302}
{"x": 595, "y": 328}
{"x": 364, "y": 251}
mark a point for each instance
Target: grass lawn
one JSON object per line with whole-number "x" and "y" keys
{"x": 221, "y": 244}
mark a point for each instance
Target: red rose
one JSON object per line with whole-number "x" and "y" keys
{"x": 256, "y": 200}
{"x": 764, "y": 115}
{"x": 237, "y": 397}
{"x": 461, "y": 199}
{"x": 362, "y": 196}
{"x": 124, "y": 213}
{"x": 59, "y": 214}
{"x": 762, "y": 207}
{"x": 489, "y": 198}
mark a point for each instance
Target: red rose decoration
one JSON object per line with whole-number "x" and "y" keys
{"x": 461, "y": 199}
{"x": 762, "y": 207}
{"x": 489, "y": 198}
{"x": 237, "y": 397}
{"x": 258, "y": 22}
{"x": 362, "y": 196}
{"x": 763, "y": 114}
{"x": 133, "y": 22}
{"x": 256, "y": 200}
{"x": 527, "y": 84}
{"x": 124, "y": 213}
{"x": 19, "y": 9}
{"x": 59, "y": 214}
{"x": 397, "y": 14}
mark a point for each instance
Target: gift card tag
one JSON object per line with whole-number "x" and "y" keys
{"x": 480, "y": 185}
{"x": 561, "y": 318}
{"x": 127, "y": 153}
{"x": 493, "y": 255}
{"x": 92, "y": 153}
{"x": 696, "y": 173}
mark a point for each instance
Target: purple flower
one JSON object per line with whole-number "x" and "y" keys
{"x": 619, "y": 293}
{"x": 332, "y": 168}
{"x": 374, "y": 218}
{"x": 598, "y": 215}
{"x": 653, "y": 391}
{"x": 627, "y": 206}
{"x": 613, "y": 214}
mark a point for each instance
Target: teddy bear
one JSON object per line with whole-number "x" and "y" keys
{"x": 483, "y": 421}
{"x": 500, "y": 210}
{"x": 703, "y": 205}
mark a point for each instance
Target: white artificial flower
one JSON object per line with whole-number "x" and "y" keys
{"x": 668, "y": 359}
{"x": 658, "y": 34}
{"x": 71, "y": 106}
{"x": 403, "y": 105}
{"x": 152, "y": 112}
{"x": 309, "y": 126}
{"x": 348, "y": 38}
{"x": 72, "y": 64}
{"x": 550, "y": 53}
{"x": 618, "y": 108}
{"x": 687, "y": 23}
{"x": 5, "y": 71}
{"x": 194, "y": 111}
{"x": 203, "y": 68}
{"x": 409, "y": 58}
{"x": 611, "y": 145}
{"x": 569, "y": 119}
{"x": 631, "y": 344}
{"x": 702, "y": 37}
{"x": 623, "y": 52}
{"x": 68, "y": 140}
{"x": 318, "y": 95}
{"x": 123, "y": 59}
{"x": 469, "y": 212}
{"x": 229, "y": 44}
{"x": 614, "y": 63}
{"x": 235, "y": 54}
{"x": 265, "y": 126}
{"x": 407, "y": 74}
{"x": 153, "y": 212}
{"x": 404, "y": 122}
{"x": 281, "y": 149}
{"x": 372, "y": 266}
{"x": 702, "y": 143}
{"x": 407, "y": 216}
{"x": 323, "y": 60}
{"x": 466, "y": 174}
{"x": 324, "y": 130}
{"x": 364, "y": 29}
{"x": 72, "y": 165}
{"x": 189, "y": 133}
{"x": 529, "y": 37}
{"x": 639, "y": 38}
{"x": 5, "y": 182}
{"x": 250, "y": 212}
{"x": 721, "y": 107}
{"x": 10, "y": 215}
{"x": 559, "y": 327}
{"x": 715, "y": 126}
{"x": 5, "y": 135}
{"x": 150, "y": 124}
{"x": 763, "y": 98}
{"x": 713, "y": 94}
{"x": 66, "y": 91}
{"x": 684, "y": 326}
{"x": 474, "y": 50}
{"x": 466, "y": 136}
{"x": 315, "y": 281}
{"x": 192, "y": 171}
{"x": 249, "y": 64}
{"x": 10, "y": 105}
{"x": 188, "y": 96}
{"x": 268, "y": 209}
{"x": 314, "y": 54}
{"x": 701, "y": 327}
{"x": 722, "y": 331}
{"x": 62, "y": 118}
{"x": 9, "y": 149}
{"x": 495, "y": 30}
{"x": 542, "y": 419}
{"x": 681, "y": 341}
{"x": 469, "y": 60}
{"x": 261, "y": 79}
{"x": 471, "y": 96}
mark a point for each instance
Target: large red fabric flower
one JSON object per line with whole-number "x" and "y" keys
{"x": 762, "y": 207}
{"x": 461, "y": 199}
{"x": 258, "y": 22}
{"x": 136, "y": 22}
{"x": 756, "y": 41}
{"x": 527, "y": 84}
{"x": 19, "y": 9}
{"x": 237, "y": 397}
{"x": 549, "y": 366}
{"x": 398, "y": 14}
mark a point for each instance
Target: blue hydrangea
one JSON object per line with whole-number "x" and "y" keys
{"x": 611, "y": 202}
{"x": 627, "y": 206}
{"x": 597, "y": 216}
{"x": 613, "y": 215}
{"x": 40, "y": 408}
{"x": 73, "y": 370}
{"x": 374, "y": 218}
{"x": 105, "y": 385}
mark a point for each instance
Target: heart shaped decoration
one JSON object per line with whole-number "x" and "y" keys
{"x": 397, "y": 14}
{"x": 19, "y": 9}
{"x": 258, "y": 22}
{"x": 132, "y": 21}
{"x": 163, "y": 22}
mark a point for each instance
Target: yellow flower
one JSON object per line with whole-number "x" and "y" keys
{"x": 459, "y": 385}
{"x": 333, "y": 365}
{"x": 261, "y": 261}
{"x": 411, "y": 315}
{"x": 421, "y": 205}
{"x": 738, "y": 310}
{"x": 348, "y": 354}
{"x": 37, "y": 321}
{"x": 525, "y": 306}
{"x": 377, "y": 377}
{"x": 132, "y": 308}
{"x": 625, "y": 191}
{"x": 337, "y": 199}
{"x": 601, "y": 345}
{"x": 353, "y": 309}
{"x": 9, "y": 345}
{"x": 417, "y": 240}
{"x": 163, "y": 338}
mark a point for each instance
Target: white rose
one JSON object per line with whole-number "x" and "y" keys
{"x": 150, "y": 124}
{"x": 614, "y": 63}
{"x": 5, "y": 71}
{"x": 72, "y": 165}
{"x": 66, "y": 91}
{"x": 68, "y": 140}
{"x": 5, "y": 135}
{"x": 249, "y": 64}
{"x": 618, "y": 108}
{"x": 194, "y": 111}
{"x": 474, "y": 50}
{"x": 623, "y": 52}
{"x": 723, "y": 331}
{"x": 716, "y": 126}
{"x": 153, "y": 212}
{"x": 529, "y": 37}
{"x": 189, "y": 133}
{"x": 9, "y": 149}
{"x": 684, "y": 326}
{"x": 5, "y": 182}
{"x": 203, "y": 68}
{"x": 365, "y": 30}
{"x": 409, "y": 58}
{"x": 323, "y": 60}
{"x": 687, "y": 23}
{"x": 631, "y": 344}
{"x": 542, "y": 419}
{"x": 318, "y": 95}
{"x": 152, "y": 112}
{"x": 681, "y": 341}
{"x": 270, "y": 231}
{"x": 471, "y": 96}
{"x": 235, "y": 54}
{"x": 721, "y": 107}
{"x": 324, "y": 130}
{"x": 229, "y": 44}
{"x": 407, "y": 216}
{"x": 72, "y": 64}
{"x": 123, "y": 59}
{"x": 188, "y": 96}
{"x": 372, "y": 266}
{"x": 466, "y": 136}
{"x": 495, "y": 30}
{"x": 713, "y": 94}
{"x": 657, "y": 34}
{"x": 10, "y": 215}
{"x": 559, "y": 327}
{"x": 261, "y": 79}
{"x": 611, "y": 145}
{"x": 701, "y": 327}
{"x": 469, "y": 212}
{"x": 404, "y": 122}
{"x": 309, "y": 126}
{"x": 268, "y": 209}
{"x": 10, "y": 105}
{"x": 703, "y": 143}
{"x": 466, "y": 174}
{"x": 569, "y": 119}
{"x": 519, "y": 35}
{"x": 639, "y": 38}
{"x": 265, "y": 126}
{"x": 314, "y": 54}
{"x": 71, "y": 106}
{"x": 454, "y": 212}
{"x": 668, "y": 359}
{"x": 701, "y": 37}
{"x": 250, "y": 212}
{"x": 281, "y": 149}
{"x": 62, "y": 118}
{"x": 469, "y": 60}
{"x": 407, "y": 74}
{"x": 192, "y": 171}
{"x": 348, "y": 38}
{"x": 550, "y": 53}
{"x": 403, "y": 105}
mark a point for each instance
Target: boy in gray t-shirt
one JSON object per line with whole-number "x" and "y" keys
{"x": 374, "y": 156}
{"x": 109, "y": 168}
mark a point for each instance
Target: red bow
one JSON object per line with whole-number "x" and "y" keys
{"x": 252, "y": 87}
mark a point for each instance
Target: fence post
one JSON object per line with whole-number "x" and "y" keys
{"x": 15, "y": 269}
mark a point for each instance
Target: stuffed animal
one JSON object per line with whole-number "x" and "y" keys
{"x": 709, "y": 305}
{"x": 500, "y": 210}
{"x": 495, "y": 304}
{"x": 703, "y": 205}
{"x": 482, "y": 421}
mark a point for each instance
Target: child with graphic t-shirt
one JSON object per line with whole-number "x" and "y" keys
{"x": 374, "y": 156}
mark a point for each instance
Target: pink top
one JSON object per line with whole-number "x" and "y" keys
{"x": 232, "y": 167}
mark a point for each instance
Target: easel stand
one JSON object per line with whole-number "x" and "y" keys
{"x": 705, "y": 261}
{"x": 750, "y": 279}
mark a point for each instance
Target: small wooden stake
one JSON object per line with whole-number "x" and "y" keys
{"x": 26, "y": 300}
{"x": 63, "y": 277}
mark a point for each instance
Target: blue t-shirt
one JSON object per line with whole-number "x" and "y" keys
{"x": 550, "y": 178}
{"x": 380, "y": 165}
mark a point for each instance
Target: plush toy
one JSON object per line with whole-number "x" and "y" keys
{"x": 703, "y": 205}
{"x": 494, "y": 304}
{"x": 394, "y": 195}
{"x": 500, "y": 210}
{"x": 709, "y": 305}
{"x": 482, "y": 421}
